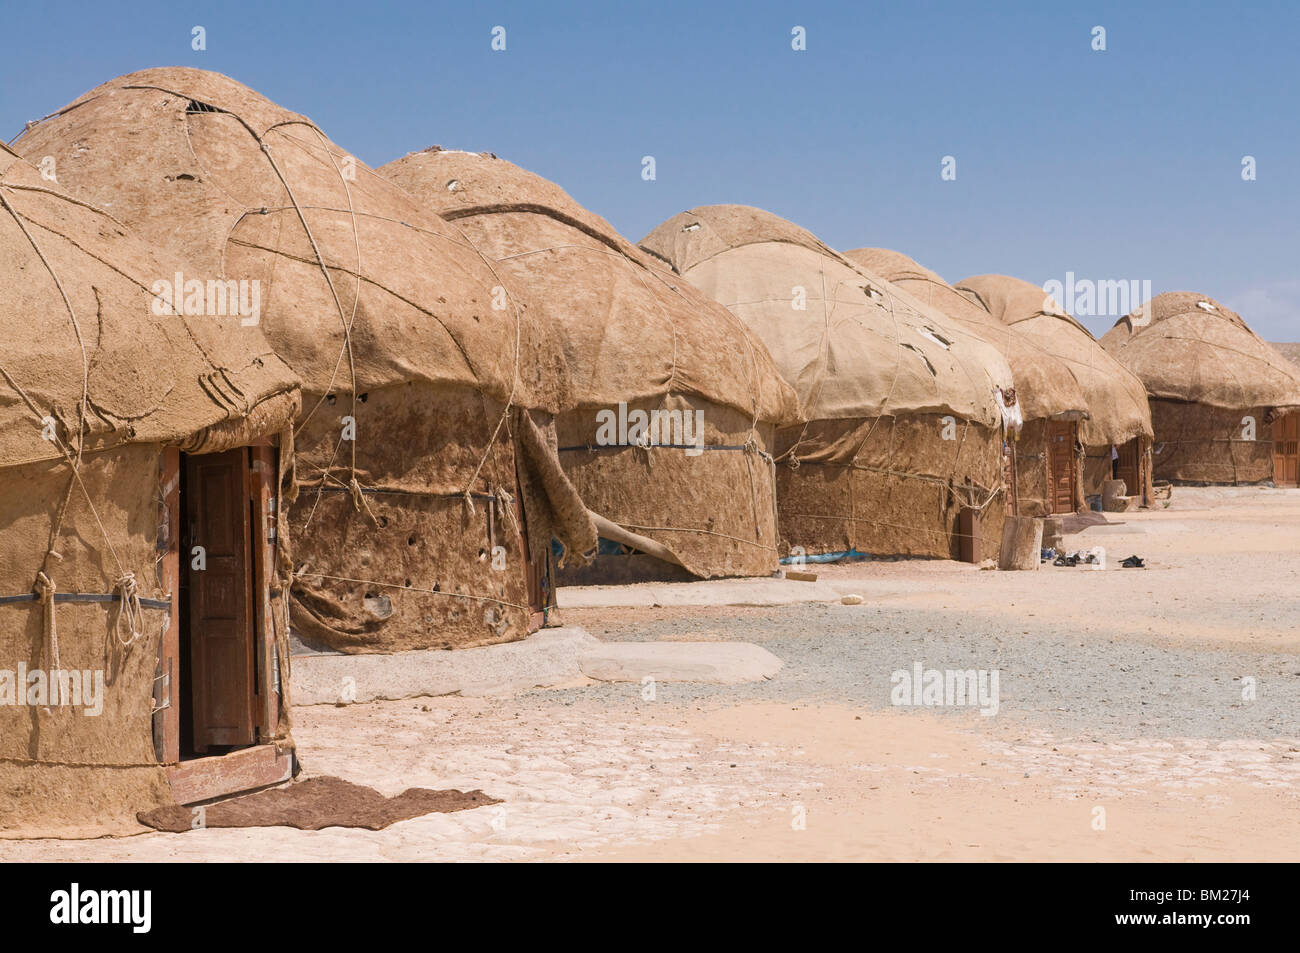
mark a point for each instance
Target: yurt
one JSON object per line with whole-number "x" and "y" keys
{"x": 143, "y": 560}
{"x": 426, "y": 493}
{"x": 1225, "y": 404}
{"x": 668, "y": 427}
{"x": 900, "y": 453}
{"x": 1043, "y": 470}
{"x": 1114, "y": 440}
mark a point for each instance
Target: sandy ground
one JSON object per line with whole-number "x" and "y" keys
{"x": 1126, "y": 728}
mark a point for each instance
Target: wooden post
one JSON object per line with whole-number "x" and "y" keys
{"x": 969, "y": 545}
{"x": 1022, "y": 543}
{"x": 166, "y": 695}
{"x": 263, "y": 490}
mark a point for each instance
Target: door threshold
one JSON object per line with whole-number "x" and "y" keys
{"x": 202, "y": 779}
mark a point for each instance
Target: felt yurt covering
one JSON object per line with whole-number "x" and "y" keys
{"x": 635, "y": 336}
{"x": 1117, "y": 402}
{"x": 903, "y": 426}
{"x": 93, "y": 387}
{"x": 1205, "y": 372}
{"x": 1289, "y": 350}
{"x": 1045, "y": 389}
{"x": 409, "y": 535}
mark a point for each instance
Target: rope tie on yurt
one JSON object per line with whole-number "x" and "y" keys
{"x": 129, "y": 614}
{"x": 506, "y": 503}
{"x": 359, "y": 499}
{"x": 45, "y": 590}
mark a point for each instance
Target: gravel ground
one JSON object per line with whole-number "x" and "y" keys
{"x": 1067, "y": 679}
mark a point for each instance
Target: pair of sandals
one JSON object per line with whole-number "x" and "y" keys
{"x": 1074, "y": 559}
{"x": 1133, "y": 562}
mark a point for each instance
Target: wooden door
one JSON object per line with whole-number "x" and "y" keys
{"x": 1062, "y": 466}
{"x": 1286, "y": 450}
{"x": 220, "y": 598}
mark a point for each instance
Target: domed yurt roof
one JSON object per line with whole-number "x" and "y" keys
{"x": 356, "y": 280}
{"x": 85, "y": 346}
{"x": 1188, "y": 347}
{"x": 1044, "y": 386}
{"x": 627, "y": 328}
{"x": 850, "y": 343}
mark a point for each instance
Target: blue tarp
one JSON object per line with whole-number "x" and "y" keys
{"x": 825, "y": 557}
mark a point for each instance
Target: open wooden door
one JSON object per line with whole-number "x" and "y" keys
{"x": 1131, "y": 468}
{"x": 1286, "y": 450}
{"x": 1062, "y": 465}
{"x": 221, "y": 627}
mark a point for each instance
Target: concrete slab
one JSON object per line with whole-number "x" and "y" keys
{"x": 548, "y": 658}
{"x": 706, "y": 592}
{"x": 719, "y": 663}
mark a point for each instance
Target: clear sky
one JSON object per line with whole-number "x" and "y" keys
{"x": 1122, "y": 164}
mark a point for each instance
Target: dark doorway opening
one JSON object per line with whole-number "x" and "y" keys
{"x": 1130, "y": 465}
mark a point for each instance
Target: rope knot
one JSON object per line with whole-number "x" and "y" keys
{"x": 506, "y": 504}
{"x": 359, "y": 499}
{"x": 45, "y": 589}
{"x": 129, "y": 612}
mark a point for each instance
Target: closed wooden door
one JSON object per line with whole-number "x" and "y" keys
{"x": 220, "y": 595}
{"x": 1062, "y": 467}
{"x": 1286, "y": 450}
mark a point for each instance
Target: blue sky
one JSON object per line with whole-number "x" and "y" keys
{"x": 1117, "y": 165}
